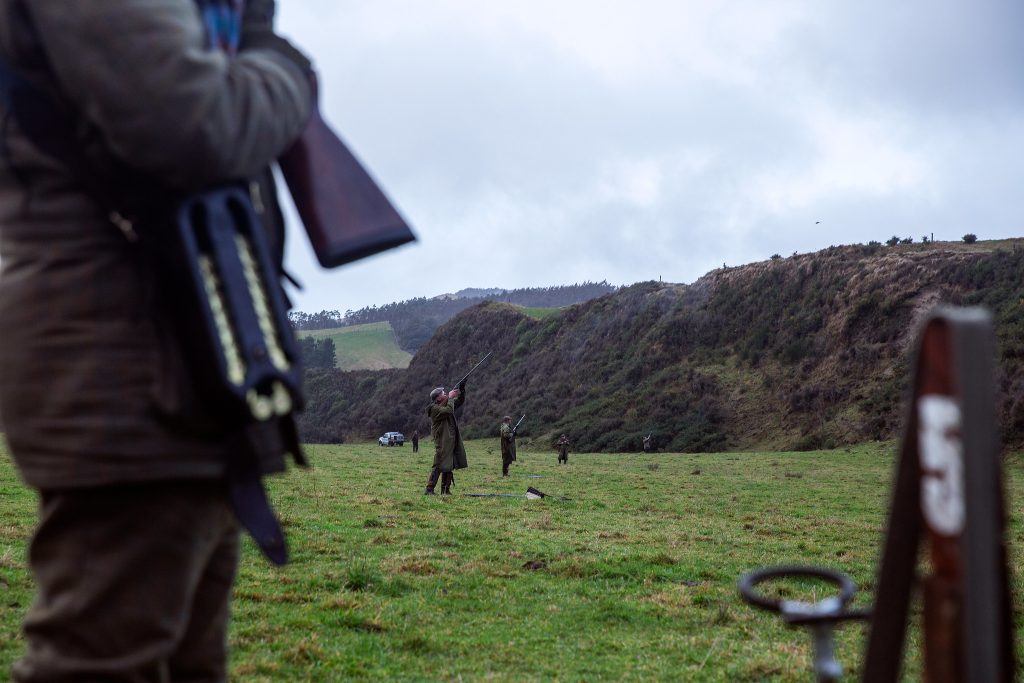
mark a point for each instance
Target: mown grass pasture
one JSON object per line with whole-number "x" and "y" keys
{"x": 539, "y": 313}
{"x": 632, "y": 578}
{"x": 371, "y": 346}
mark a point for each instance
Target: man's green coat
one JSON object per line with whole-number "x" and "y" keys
{"x": 508, "y": 443}
{"x": 449, "y": 451}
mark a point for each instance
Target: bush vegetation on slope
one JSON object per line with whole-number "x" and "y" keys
{"x": 806, "y": 352}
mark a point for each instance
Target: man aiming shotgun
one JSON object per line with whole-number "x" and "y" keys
{"x": 449, "y": 451}
{"x": 148, "y": 375}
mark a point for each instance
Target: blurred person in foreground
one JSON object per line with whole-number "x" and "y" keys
{"x": 108, "y": 105}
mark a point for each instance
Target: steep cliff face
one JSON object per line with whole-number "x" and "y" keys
{"x": 804, "y": 352}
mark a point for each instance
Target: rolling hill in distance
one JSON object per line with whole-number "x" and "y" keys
{"x": 373, "y": 346}
{"x": 370, "y": 346}
{"x": 805, "y": 352}
{"x": 414, "y": 321}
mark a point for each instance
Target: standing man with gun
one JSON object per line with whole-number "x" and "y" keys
{"x": 508, "y": 442}
{"x": 449, "y": 451}
{"x": 147, "y": 439}
{"x": 563, "y": 449}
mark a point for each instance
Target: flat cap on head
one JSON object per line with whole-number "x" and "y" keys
{"x": 507, "y": 418}
{"x": 435, "y": 393}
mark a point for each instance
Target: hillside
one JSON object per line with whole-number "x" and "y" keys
{"x": 415, "y": 320}
{"x": 364, "y": 347}
{"x": 473, "y": 293}
{"x": 804, "y": 352}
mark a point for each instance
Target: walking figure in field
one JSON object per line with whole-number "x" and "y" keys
{"x": 449, "y": 451}
{"x": 647, "y": 444}
{"x": 508, "y": 444}
{"x": 416, "y": 441}
{"x": 563, "y": 449}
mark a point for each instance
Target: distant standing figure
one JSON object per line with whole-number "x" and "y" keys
{"x": 416, "y": 441}
{"x": 449, "y": 451}
{"x": 391, "y": 441}
{"x": 647, "y": 443}
{"x": 563, "y": 449}
{"x": 508, "y": 445}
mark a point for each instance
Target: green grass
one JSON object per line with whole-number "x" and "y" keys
{"x": 364, "y": 347}
{"x": 633, "y": 578}
{"x": 538, "y": 312}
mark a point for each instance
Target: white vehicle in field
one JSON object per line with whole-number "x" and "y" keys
{"x": 392, "y": 439}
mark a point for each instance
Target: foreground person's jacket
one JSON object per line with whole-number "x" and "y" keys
{"x": 89, "y": 383}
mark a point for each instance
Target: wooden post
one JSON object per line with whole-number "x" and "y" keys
{"x": 948, "y": 493}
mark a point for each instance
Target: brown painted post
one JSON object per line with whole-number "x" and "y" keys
{"x": 940, "y": 459}
{"x": 948, "y": 492}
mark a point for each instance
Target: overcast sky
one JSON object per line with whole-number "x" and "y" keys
{"x": 549, "y": 142}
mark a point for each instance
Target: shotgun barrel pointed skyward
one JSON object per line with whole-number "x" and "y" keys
{"x": 466, "y": 376}
{"x": 519, "y": 423}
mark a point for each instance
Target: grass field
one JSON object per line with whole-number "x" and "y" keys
{"x": 364, "y": 347}
{"x": 538, "y": 312}
{"x": 633, "y": 578}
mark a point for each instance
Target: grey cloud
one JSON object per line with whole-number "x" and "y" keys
{"x": 526, "y": 162}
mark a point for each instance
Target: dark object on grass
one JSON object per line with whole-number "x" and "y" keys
{"x": 948, "y": 492}
{"x": 531, "y": 493}
{"x": 535, "y": 494}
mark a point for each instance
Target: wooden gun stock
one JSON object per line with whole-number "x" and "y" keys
{"x": 346, "y": 214}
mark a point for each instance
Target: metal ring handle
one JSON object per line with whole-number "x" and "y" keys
{"x": 748, "y": 582}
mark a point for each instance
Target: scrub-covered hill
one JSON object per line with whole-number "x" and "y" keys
{"x": 804, "y": 352}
